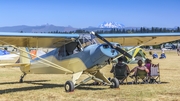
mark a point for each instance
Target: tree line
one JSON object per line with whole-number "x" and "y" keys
{"x": 126, "y": 30}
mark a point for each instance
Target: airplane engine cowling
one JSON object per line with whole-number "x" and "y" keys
{"x": 103, "y": 53}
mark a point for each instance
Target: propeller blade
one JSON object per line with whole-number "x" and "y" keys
{"x": 117, "y": 48}
{"x": 103, "y": 39}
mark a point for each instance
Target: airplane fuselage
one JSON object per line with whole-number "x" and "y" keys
{"x": 93, "y": 57}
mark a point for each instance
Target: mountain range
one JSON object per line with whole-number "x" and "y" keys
{"x": 42, "y": 28}
{"x": 50, "y": 28}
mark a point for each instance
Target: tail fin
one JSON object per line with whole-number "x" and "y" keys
{"x": 24, "y": 56}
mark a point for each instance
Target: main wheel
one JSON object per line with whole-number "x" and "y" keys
{"x": 115, "y": 83}
{"x": 69, "y": 86}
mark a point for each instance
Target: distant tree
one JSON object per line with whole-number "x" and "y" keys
{"x": 123, "y": 30}
{"x": 178, "y": 29}
{"x": 71, "y": 32}
{"x": 152, "y": 30}
{"x": 120, "y": 31}
{"x": 132, "y": 30}
{"x": 144, "y": 30}
{"x": 141, "y": 29}
{"x": 136, "y": 31}
{"x": 148, "y": 30}
{"x": 156, "y": 29}
{"x": 164, "y": 30}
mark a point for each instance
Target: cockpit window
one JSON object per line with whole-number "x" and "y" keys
{"x": 87, "y": 39}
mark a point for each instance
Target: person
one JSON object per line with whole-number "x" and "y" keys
{"x": 162, "y": 46}
{"x": 178, "y": 49}
{"x": 150, "y": 51}
{"x": 119, "y": 65}
{"x": 155, "y": 55}
{"x": 148, "y": 65}
{"x": 140, "y": 66}
{"x": 162, "y": 50}
{"x": 173, "y": 47}
{"x": 163, "y": 55}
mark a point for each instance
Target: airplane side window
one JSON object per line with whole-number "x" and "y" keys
{"x": 77, "y": 49}
{"x": 70, "y": 47}
{"x": 61, "y": 51}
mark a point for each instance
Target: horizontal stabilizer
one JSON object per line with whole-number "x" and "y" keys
{"x": 14, "y": 64}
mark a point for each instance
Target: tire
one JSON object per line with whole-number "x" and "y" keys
{"x": 69, "y": 86}
{"x": 115, "y": 83}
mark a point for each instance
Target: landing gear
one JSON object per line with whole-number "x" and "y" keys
{"x": 115, "y": 83}
{"x": 97, "y": 77}
{"x": 69, "y": 86}
{"x": 21, "y": 78}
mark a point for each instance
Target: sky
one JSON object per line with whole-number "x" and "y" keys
{"x": 85, "y": 13}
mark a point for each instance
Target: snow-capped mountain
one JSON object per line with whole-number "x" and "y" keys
{"x": 111, "y": 25}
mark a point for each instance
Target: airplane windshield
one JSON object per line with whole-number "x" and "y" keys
{"x": 87, "y": 39}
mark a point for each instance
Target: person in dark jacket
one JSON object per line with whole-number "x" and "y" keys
{"x": 119, "y": 65}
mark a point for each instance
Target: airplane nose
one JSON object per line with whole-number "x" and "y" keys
{"x": 102, "y": 53}
{"x": 108, "y": 51}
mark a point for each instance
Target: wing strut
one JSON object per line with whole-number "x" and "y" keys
{"x": 50, "y": 63}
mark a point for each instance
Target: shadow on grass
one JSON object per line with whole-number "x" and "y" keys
{"x": 130, "y": 83}
{"x": 39, "y": 85}
{"x": 3, "y": 83}
{"x": 90, "y": 87}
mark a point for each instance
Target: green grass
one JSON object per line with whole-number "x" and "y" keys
{"x": 51, "y": 87}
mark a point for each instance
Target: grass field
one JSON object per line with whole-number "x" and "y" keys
{"x": 51, "y": 87}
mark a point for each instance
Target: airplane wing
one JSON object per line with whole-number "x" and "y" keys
{"x": 48, "y": 40}
{"x": 135, "y": 39}
{"x": 52, "y": 40}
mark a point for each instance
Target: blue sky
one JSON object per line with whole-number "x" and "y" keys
{"x": 85, "y": 13}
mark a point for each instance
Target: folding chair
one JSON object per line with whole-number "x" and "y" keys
{"x": 141, "y": 75}
{"x": 154, "y": 76}
{"x": 121, "y": 74}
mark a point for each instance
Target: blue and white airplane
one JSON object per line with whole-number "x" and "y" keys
{"x": 77, "y": 54}
{"x": 7, "y": 57}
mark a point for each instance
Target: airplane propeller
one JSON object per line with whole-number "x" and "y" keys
{"x": 114, "y": 47}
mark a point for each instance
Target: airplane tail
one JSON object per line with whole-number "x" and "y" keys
{"x": 24, "y": 56}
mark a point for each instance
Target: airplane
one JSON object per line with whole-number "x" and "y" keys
{"x": 136, "y": 53}
{"x": 77, "y": 54}
{"x": 7, "y": 57}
